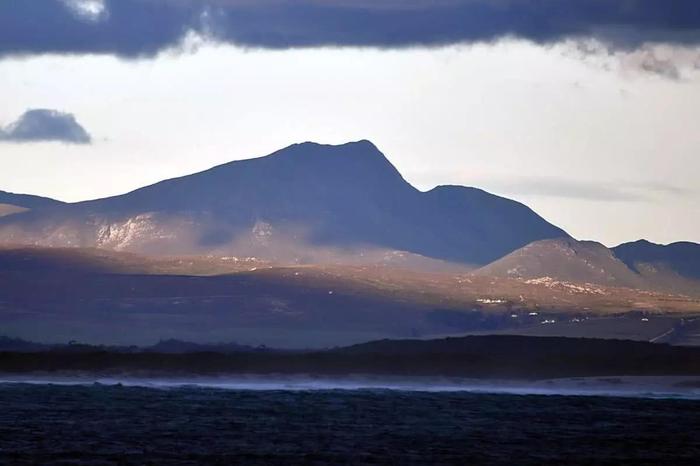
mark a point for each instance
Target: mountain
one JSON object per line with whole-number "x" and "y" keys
{"x": 565, "y": 260}
{"x": 644, "y": 257}
{"x": 11, "y": 203}
{"x": 301, "y": 203}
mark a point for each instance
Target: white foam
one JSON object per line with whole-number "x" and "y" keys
{"x": 638, "y": 387}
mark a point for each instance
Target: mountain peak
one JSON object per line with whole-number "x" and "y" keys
{"x": 359, "y": 143}
{"x": 358, "y": 163}
{"x": 645, "y": 243}
{"x": 313, "y": 150}
{"x": 453, "y": 190}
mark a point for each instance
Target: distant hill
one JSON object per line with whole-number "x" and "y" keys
{"x": 641, "y": 265}
{"x": 645, "y": 257}
{"x": 568, "y": 260}
{"x": 180, "y": 346}
{"x": 170, "y": 346}
{"x": 301, "y": 203}
{"x": 17, "y": 344}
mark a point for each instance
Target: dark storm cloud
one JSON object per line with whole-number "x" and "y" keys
{"x": 133, "y": 28}
{"x": 41, "y": 125}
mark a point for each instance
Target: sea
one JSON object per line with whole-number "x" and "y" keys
{"x": 111, "y": 422}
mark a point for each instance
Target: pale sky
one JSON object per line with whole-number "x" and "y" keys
{"x": 598, "y": 145}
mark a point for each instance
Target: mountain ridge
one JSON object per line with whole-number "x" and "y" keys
{"x": 288, "y": 204}
{"x": 28, "y": 201}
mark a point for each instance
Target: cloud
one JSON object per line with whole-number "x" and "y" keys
{"x": 40, "y": 125}
{"x": 660, "y": 59}
{"x": 89, "y": 10}
{"x": 587, "y": 190}
{"x": 134, "y": 28}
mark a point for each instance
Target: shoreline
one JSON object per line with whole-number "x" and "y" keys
{"x": 662, "y": 387}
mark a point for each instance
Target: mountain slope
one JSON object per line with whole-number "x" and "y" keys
{"x": 293, "y": 204}
{"x": 9, "y": 209}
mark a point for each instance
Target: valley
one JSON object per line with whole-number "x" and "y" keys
{"x": 109, "y": 297}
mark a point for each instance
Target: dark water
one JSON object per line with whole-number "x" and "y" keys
{"x": 52, "y": 424}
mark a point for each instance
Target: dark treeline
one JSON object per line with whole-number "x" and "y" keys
{"x": 476, "y": 356}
